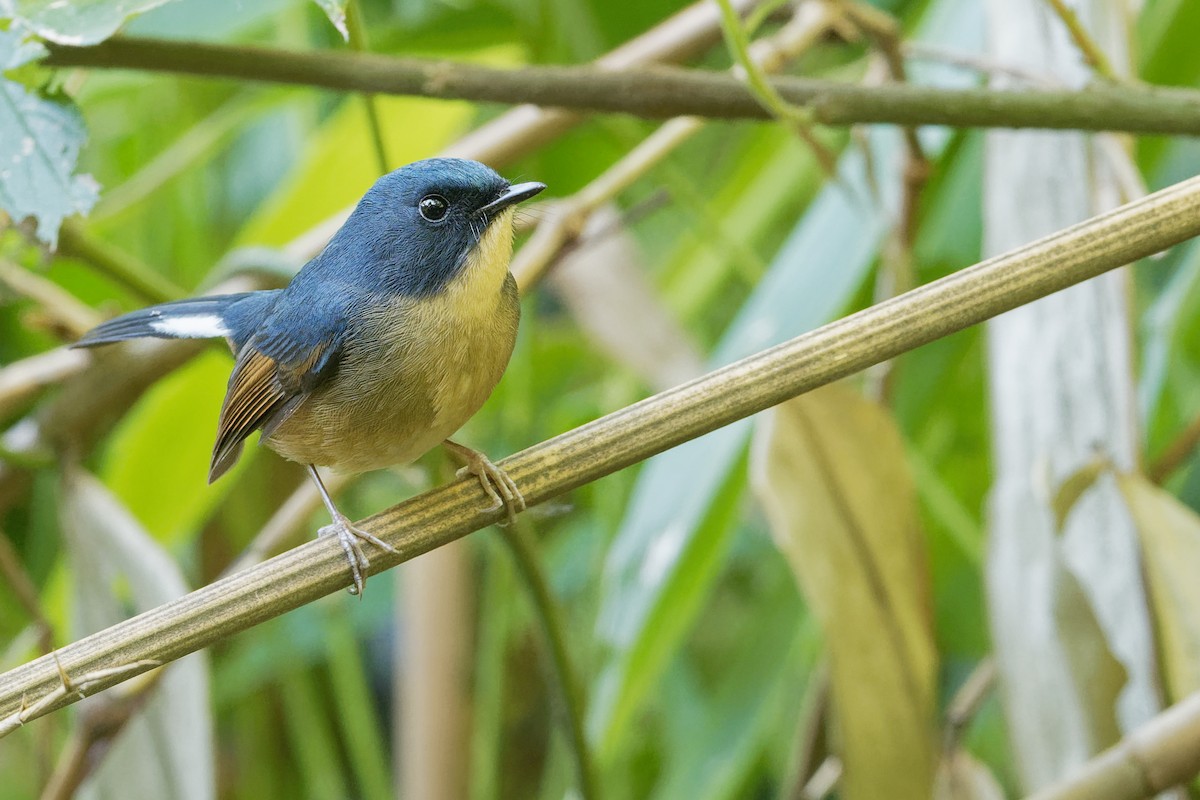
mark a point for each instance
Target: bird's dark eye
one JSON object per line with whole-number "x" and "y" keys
{"x": 433, "y": 207}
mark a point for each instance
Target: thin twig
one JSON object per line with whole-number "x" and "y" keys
{"x": 627, "y": 436}
{"x": 920, "y": 51}
{"x": 1092, "y": 52}
{"x": 884, "y": 32}
{"x": 965, "y": 703}
{"x": 1176, "y": 453}
{"x": 796, "y": 117}
{"x": 137, "y": 277}
{"x": 23, "y": 588}
{"x": 357, "y": 32}
{"x": 565, "y": 220}
{"x": 897, "y": 273}
{"x": 660, "y": 92}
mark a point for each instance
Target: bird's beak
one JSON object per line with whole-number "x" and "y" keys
{"x": 514, "y": 194}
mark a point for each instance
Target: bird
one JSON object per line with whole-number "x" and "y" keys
{"x": 380, "y": 348}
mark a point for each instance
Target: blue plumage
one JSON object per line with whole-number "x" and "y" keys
{"x": 231, "y": 316}
{"x": 381, "y": 346}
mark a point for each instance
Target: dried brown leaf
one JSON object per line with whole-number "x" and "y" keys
{"x": 831, "y": 473}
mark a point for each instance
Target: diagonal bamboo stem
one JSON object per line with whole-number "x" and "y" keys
{"x": 613, "y": 442}
{"x": 1161, "y": 753}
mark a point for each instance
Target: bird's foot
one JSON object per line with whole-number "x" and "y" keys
{"x": 351, "y": 538}
{"x": 499, "y": 487}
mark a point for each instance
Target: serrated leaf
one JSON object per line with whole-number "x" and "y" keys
{"x": 77, "y": 23}
{"x": 336, "y": 11}
{"x": 40, "y": 140}
{"x": 829, "y": 468}
{"x": 1170, "y": 536}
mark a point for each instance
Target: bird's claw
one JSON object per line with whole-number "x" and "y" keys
{"x": 350, "y": 538}
{"x": 496, "y": 483}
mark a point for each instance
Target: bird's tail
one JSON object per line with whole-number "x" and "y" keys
{"x": 195, "y": 318}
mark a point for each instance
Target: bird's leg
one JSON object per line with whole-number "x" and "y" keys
{"x": 495, "y": 482}
{"x": 348, "y": 537}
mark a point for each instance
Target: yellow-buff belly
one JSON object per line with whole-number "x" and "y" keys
{"x": 416, "y": 370}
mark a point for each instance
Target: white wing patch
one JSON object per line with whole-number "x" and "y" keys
{"x": 196, "y": 326}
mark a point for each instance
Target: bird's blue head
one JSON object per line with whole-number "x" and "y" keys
{"x": 416, "y": 228}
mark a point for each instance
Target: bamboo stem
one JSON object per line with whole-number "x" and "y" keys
{"x": 618, "y": 440}
{"x": 1163, "y": 752}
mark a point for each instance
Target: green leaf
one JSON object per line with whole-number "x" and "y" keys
{"x": 40, "y": 140}
{"x": 340, "y": 164}
{"x": 170, "y": 493}
{"x": 830, "y": 470}
{"x": 1170, "y": 538}
{"x": 336, "y": 11}
{"x": 77, "y": 23}
{"x": 734, "y": 721}
{"x": 358, "y": 717}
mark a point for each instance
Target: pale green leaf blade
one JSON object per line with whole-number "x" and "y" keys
{"x": 336, "y": 11}
{"x": 156, "y": 466}
{"x": 1170, "y": 538}
{"x": 77, "y": 23}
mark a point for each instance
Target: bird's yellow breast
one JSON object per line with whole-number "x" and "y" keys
{"x": 417, "y": 370}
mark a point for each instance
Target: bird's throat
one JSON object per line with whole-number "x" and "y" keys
{"x": 477, "y": 285}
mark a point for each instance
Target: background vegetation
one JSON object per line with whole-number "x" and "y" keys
{"x": 803, "y": 604}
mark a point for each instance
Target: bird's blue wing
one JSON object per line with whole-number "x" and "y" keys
{"x": 295, "y": 351}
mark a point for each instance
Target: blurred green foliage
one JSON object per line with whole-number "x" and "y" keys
{"x": 692, "y": 645}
